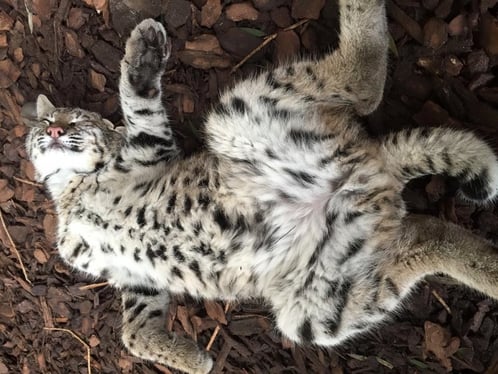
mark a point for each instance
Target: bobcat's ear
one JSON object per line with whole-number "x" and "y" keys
{"x": 43, "y": 106}
{"x": 31, "y": 113}
{"x": 28, "y": 114}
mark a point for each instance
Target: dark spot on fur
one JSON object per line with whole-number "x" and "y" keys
{"x": 239, "y": 105}
{"x": 177, "y": 272}
{"x": 221, "y": 219}
{"x": 306, "y": 332}
{"x": 141, "y": 217}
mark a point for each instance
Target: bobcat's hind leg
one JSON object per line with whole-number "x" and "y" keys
{"x": 354, "y": 74}
{"x": 429, "y": 245}
{"x": 144, "y": 333}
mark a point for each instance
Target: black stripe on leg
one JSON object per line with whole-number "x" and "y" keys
{"x": 353, "y": 248}
{"x": 130, "y": 302}
{"x": 221, "y": 219}
{"x": 147, "y": 140}
{"x": 478, "y": 187}
{"x": 300, "y": 176}
{"x": 389, "y": 284}
{"x": 140, "y": 307}
{"x": 142, "y": 290}
{"x": 306, "y": 332}
{"x": 155, "y": 313}
{"x": 340, "y": 299}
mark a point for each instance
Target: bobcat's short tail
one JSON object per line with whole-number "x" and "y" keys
{"x": 460, "y": 154}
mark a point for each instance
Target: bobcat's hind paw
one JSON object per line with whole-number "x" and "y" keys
{"x": 147, "y": 50}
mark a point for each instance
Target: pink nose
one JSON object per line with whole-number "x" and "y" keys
{"x": 54, "y": 131}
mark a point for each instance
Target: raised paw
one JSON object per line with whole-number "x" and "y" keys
{"x": 147, "y": 51}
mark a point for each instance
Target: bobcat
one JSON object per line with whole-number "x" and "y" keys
{"x": 292, "y": 202}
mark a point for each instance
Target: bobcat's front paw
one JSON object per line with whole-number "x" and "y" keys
{"x": 147, "y": 51}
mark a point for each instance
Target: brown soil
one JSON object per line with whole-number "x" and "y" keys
{"x": 442, "y": 73}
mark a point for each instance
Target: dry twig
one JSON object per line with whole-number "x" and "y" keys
{"x": 216, "y": 330}
{"x": 14, "y": 248}
{"x": 93, "y": 285}
{"x": 87, "y": 347}
{"x": 441, "y": 301}
{"x": 25, "y": 181}
{"x": 267, "y": 41}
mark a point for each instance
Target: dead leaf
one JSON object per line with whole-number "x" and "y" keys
{"x": 439, "y": 342}
{"x": 210, "y": 13}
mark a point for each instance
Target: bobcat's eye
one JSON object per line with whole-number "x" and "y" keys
{"x": 46, "y": 122}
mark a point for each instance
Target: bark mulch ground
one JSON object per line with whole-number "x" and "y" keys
{"x": 444, "y": 60}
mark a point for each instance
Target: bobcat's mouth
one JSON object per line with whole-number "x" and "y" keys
{"x": 56, "y": 145}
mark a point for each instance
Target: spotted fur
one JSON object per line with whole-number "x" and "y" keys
{"x": 292, "y": 202}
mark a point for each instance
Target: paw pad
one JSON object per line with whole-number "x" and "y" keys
{"x": 146, "y": 53}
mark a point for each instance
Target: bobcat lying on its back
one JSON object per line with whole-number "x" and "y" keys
{"x": 292, "y": 202}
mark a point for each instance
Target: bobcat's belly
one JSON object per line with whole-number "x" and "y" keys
{"x": 152, "y": 260}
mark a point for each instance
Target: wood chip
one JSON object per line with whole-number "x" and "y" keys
{"x": 242, "y": 11}
{"x": 49, "y": 226}
{"x": 307, "y": 9}
{"x": 204, "y": 60}
{"x": 210, "y": 12}
{"x": 206, "y": 43}
{"x": 435, "y": 33}
{"x": 9, "y": 73}
{"x": 215, "y": 311}
{"x": 97, "y": 80}
{"x": 3, "y": 40}
{"x": 73, "y": 44}
{"x": 489, "y": 34}
{"x": 43, "y": 8}
{"x": 6, "y": 22}
{"x": 409, "y": 24}
{"x": 287, "y": 46}
{"x": 76, "y": 18}
{"x": 18, "y": 54}
{"x": 40, "y": 256}
{"x": 6, "y": 193}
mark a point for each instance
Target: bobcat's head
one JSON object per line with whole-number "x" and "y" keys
{"x": 67, "y": 141}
